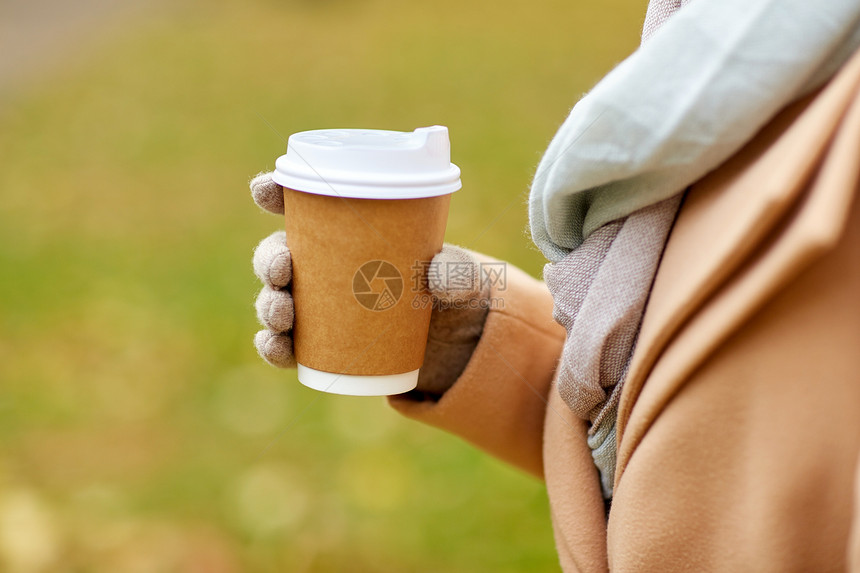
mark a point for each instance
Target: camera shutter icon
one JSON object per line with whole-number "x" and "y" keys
{"x": 377, "y": 285}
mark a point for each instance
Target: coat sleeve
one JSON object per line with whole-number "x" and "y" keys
{"x": 499, "y": 401}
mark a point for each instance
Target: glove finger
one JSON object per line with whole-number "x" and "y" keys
{"x": 275, "y": 348}
{"x": 267, "y": 194}
{"x": 454, "y": 276}
{"x": 272, "y": 261}
{"x": 275, "y": 309}
{"x": 460, "y": 298}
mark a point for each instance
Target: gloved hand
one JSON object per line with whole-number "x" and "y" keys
{"x": 455, "y": 325}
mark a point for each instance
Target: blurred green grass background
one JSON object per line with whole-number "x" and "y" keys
{"x": 139, "y": 431}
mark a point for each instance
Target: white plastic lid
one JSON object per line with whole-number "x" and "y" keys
{"x": 369, "y": 163}
{"x": 352, "y": 385}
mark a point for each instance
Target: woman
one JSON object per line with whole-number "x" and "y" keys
{"x": 725, "y": 431}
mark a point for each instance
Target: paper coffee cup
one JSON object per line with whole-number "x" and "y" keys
{"x": 365, "y": 213}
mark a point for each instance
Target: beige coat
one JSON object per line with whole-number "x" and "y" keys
{"x": 739, "y": 424}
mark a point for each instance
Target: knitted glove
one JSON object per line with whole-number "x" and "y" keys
{"x": 455, "y": 325}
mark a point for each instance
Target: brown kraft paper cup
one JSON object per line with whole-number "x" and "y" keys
{"x": 340, "y": 247}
